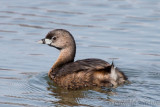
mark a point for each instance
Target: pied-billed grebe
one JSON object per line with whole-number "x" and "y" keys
{"x": 81, "y": 73}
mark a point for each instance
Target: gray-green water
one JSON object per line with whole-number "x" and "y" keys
{"x": 126, "y": 30}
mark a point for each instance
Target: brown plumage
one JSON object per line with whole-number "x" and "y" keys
{"x": 81, "y": 73}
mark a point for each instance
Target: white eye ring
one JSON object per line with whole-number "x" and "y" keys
{"x": 54, "y": 38}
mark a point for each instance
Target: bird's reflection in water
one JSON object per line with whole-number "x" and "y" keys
{"x": 73, "y": 97}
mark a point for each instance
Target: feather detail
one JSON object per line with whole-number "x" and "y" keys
{"x": 113, "y": 74}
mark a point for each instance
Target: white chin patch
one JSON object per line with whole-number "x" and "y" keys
{"x": 48, "y": 41}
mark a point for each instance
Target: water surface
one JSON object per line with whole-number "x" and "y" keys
{"x": 124, "y": 30}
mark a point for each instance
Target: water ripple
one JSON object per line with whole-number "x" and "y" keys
{"x": 5, "y": 17}
{"x": 36, "y": 54}
{"x": 26, "y": 14}
{"x": 17, "y": 104}
{"x": 73, "y": 25}
{"x": 142, "y": 18}
{"x": 10, "y": 78}
{"x": 6, "y": 69}
{"x": 150, "y": 54}
{"x": 8, "y": 31}
{"x": 50, "y": 11}
{"x": 33, "y": 26}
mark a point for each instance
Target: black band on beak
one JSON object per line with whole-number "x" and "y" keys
{"x": 43, "y": 41}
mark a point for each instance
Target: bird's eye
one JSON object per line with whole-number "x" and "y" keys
{"x": 54, "y": 38}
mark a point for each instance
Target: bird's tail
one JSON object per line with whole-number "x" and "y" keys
{"x": 113, "y": 74}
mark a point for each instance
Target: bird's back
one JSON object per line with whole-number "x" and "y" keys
{"x": 82, "y": 65}
{"x": 83, "y": 73}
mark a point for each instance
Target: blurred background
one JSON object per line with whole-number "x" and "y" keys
{"x": 126, "y": 31}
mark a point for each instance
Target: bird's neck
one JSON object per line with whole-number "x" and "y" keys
{"x": 66, "y": 56}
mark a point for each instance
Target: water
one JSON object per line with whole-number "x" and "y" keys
{"x": 124, "y": 30}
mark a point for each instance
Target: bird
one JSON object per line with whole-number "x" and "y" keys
{"x": 70, "y": 74}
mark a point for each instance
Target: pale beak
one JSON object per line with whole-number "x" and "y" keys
{"x": 45, "y": 41}
{"x": 41, "y": 41}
